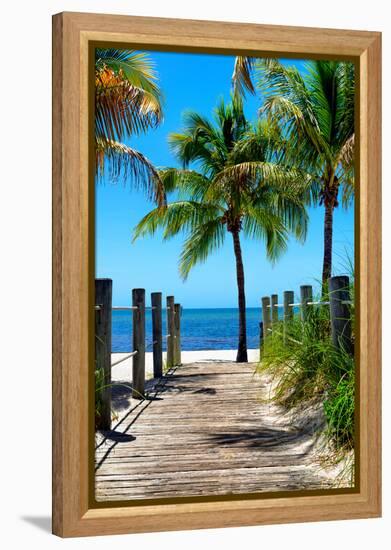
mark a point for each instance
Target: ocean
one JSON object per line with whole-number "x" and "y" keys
{"x": 201, "y": 329}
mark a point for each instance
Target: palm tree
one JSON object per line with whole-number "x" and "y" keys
{"x": 127, "y": 102}
{"x": 317, "y": 115}
{"x": 237, "y": 188}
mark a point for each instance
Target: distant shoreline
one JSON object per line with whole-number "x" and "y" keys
{"x": 201, "y": 329}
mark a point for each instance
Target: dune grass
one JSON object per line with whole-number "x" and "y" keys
{"x": 306, "y": 365}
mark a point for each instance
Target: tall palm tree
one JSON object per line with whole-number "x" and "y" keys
{"x": 238, "y": 187}
{"x": 127, "y": 102}
{"x": 317, "y": 114}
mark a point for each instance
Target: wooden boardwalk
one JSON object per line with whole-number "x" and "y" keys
{"x": 205, "y": 430}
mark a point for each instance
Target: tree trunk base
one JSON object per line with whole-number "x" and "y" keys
{"x": 241, "y": 356}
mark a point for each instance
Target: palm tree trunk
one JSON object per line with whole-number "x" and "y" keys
{"x": 328, "y": 243}
{"x": 241, "y": 356}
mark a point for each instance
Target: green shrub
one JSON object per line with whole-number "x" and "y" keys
{"x": 306, "y": 365}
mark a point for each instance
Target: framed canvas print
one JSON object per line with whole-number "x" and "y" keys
{"x": 216, "y": 298}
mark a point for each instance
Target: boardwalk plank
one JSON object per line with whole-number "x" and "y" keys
{"x": 205, "y": 429}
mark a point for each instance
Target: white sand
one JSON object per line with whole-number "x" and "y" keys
{"x": 123, "y": 371}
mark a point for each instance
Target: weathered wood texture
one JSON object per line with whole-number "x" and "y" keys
{"x": 205, "y": 431}
{"x": 157, "y": 337}
{"x": 289, "y": 297}
{"x": 138, "y": 302}
{"x": 266, "y": 316}
{"x": 305, "y": 297}
{"x": 103, "y": 294}
{"x": 177, "y": 341}
{"x": 274, "y": 308}
{"x": 261, "y": 335}
{"x": 170, "y": 359}
{"x": 340, "y": 315}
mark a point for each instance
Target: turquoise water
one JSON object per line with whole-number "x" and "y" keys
{"x": 201, "y": 329}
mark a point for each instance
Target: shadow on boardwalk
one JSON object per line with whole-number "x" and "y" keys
{"x": 204, "y": 429}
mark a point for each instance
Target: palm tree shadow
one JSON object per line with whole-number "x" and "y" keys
{"x": 121, "y": 394}
{"x": 177, "y": 388}
{"x": 207, "y": 391}
{"x": 44, "y": 523}
{"x": 118, "y": 437}
{"x": 265, "y": 438}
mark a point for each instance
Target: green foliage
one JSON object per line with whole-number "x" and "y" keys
{"x": 238, "y": 186}
{"x": 127, "y": 97}
{"x": 127, "y": 103}
{"x": 306, "y": 365}
{"x": 316, "y": 112}
{"x": 340, "y": 403}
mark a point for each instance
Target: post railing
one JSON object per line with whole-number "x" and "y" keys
{"x": 103, "y": 297}
{"x": 341, "y": 327}
{"x": 157, "y": 335}
{"x": 274, "y": 308}
{"x": 305, "y": 298}
{"x": 288, "y": 312}
{"x": 339, "y": 304}
{"x": 103, "y": 339}
{"x": 266, "y": 315}
{"x": 177, "y": 336}
{"x": 138, "y": 303}
{"x": 170, "y": 331}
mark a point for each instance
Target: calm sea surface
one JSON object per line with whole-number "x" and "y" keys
{"x": 201, "y": 329}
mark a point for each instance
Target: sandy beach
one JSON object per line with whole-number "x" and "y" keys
{"x": 123, "y": 371}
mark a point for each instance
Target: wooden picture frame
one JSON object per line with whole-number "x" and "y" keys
{"x": 72, "y": 267}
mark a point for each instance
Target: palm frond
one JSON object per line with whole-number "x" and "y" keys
{"x": 176, "y": 217}
{"x": 184, "y": 182}
{"x": 150, "y": 223}
{"x": 137, "y": 69}
{"x": 127, "y": 97}
{"x": 188, "y": 216}
{"x": 304, "y": 143}
{"x": 127, "y": 164}
{"x": 241, "y": 78}
{"x": 201, "y": 242}
{"x": 347, "y": 157}
{"x": 240, "y": 182}
{"x": 265, "y": 173}
{"x": 121, "y": 109}
{"x": 262, "y": 223}
{"x": 347, "y": 153}
{"x": 290, "y": 208}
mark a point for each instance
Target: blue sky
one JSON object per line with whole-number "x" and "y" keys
{"x": 197, "y": 82}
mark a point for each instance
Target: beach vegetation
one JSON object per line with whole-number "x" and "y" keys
{"x": 315, "y": 109}
{"x": 231, "y": 182}
{"x": 128, "y": 102}
{"x": 306, "y": 365}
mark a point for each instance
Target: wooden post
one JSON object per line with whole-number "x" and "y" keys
{"x": 138, "y": 302}
{"x": 260, "y": 339}
{"x": 274, "y": 308}
{"x": 103, "y": 297}
{"x": 305, "y": 297}
{"x": 177, "y": 342}
{"x": 266, "y": 316}
{"x": 340, "y": 316}
{"x": 170, "y": 332}
{"x": 157, "y": 343}
{"x": 289, "y": 297}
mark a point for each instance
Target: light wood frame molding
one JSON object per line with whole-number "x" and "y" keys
{"x": 72, "y": 34}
